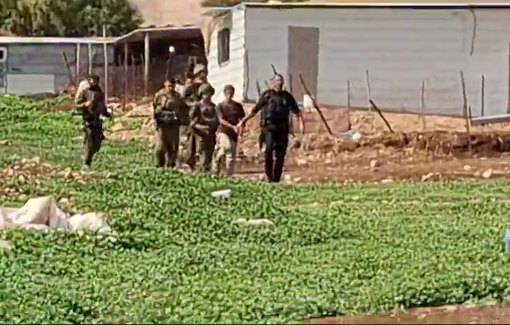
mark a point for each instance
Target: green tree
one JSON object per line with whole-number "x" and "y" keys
{"x": 71, "y": 18}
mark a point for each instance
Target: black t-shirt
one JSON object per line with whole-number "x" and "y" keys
{"x": 276, "y": 107}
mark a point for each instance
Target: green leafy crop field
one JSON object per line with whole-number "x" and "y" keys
{"x": 179, "y": 257}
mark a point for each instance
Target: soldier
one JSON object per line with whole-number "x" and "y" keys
{"x": 170, "y": 113}
{"x": 190, "y": 91}
{"x": 167, "y": 88}
{"x": 230, "y": 113}
{"x": 90, "y": 102}
{"x": 276, "y": 105}
{"x": 204, "y": 123}
{"x": 194, "y": 80}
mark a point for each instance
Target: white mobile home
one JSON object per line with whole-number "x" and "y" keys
{"x": 333, "y": 45}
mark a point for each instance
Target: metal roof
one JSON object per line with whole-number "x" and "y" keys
{"x": 364, "y": 4}
{"x": 361, "y": 4}
{"x": 55, "y": 40}
{"x": 173, "y": 32}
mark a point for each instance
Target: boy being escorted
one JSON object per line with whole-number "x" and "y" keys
{"x": 230, "y": 113}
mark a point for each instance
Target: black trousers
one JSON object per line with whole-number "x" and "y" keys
{"x": 93, "y": 137}
{"x": 276, "y": 148}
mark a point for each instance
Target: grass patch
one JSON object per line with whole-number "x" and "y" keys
{"x": 179, "y": 258}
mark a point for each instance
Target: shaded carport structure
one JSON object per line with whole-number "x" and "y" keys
{"x": 151, "y": 46}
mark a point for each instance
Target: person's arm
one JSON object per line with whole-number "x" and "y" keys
{"x": 242, "y": 115}
{"x": 221, "y": 120}
{"x": 294, "y": 108}
{"x": 263, "y": 99}
{"x": 196, "y": 119}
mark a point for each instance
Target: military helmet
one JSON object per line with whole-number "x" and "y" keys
{"x": 205, "y": 89}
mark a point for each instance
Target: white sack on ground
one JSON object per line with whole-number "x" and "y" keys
{"x": 43, "y": 213}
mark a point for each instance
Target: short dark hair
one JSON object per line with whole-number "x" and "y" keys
{"x": 94, "y": 77}
{"x": 228, "y": 88}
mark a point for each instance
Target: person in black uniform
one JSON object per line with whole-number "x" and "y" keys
{"x": 276, "y": 104}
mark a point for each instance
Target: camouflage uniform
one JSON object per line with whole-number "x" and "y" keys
{"x": 203, "y": 143}
{"x": 190, "y": 94}
{"x": 91, "y": 103}
{"x": 170, "y": 113}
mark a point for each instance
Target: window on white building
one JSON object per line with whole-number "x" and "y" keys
{"x": 223, "y": 46}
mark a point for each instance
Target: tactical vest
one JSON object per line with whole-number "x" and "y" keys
{"x": 275, "y": 114}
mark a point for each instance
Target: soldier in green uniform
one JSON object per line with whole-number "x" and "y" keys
{"x": 190, "y": 91}
{"x": 204, "y": 125}
{"x": 90, "y": 102}
{"x": 195, "y": 79}
{"x": 170, "y": 113}
{"x": 167, "y": 88}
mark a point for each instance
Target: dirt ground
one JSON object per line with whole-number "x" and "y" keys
{"x": 439, "y": 315}
{"x": 438, "y": 150}
{"x": 426, "y": 149}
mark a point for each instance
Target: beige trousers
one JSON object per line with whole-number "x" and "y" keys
{"x": 226, "y": 151}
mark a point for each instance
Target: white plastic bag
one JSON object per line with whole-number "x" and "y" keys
{"x": 43, "y": 213}
{"x": 89, "y": 221}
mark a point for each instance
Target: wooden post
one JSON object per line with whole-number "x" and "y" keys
{"x": 348, "y": 94}
{"x": 133, "y": 76}
{"x": 146, "y": 64}
{"x": 78, "y": 63}
{"x": 125, "y": 90}
{"x": 89, "y": 53}
{"x": 349, "y": 125}
{"x": 483, "y": 96}
{"x": 105, "y": 58}
{"x": 369, "y": 95}
{"x": 465, "y": 111}
{"x": 422, "y": 106}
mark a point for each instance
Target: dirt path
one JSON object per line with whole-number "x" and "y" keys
{"x": 414, "y": 153}
{"x": 439, "y": 315}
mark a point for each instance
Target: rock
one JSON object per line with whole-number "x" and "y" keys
{"x": 4, "y": 244}
{"x": 222, "y": 193}
{"x": 298, "y": 179}
{"x": 301, "y": 162}
{"x": 374, "y": 164}
{"x": 467, "y": 168}
{"x": 387, "y": 181}
{"x": 287, "y": 178}
{"x": 68, "y": 173}
{"x": 327, "y": 161}
{"x": 430, "y": 176}
{"x": 254, "y": 222}
{"x": 487, "y": 174}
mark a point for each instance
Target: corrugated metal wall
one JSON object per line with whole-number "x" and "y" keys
{"x": 399, "y": 48}
{"x": 47, "y": 59}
